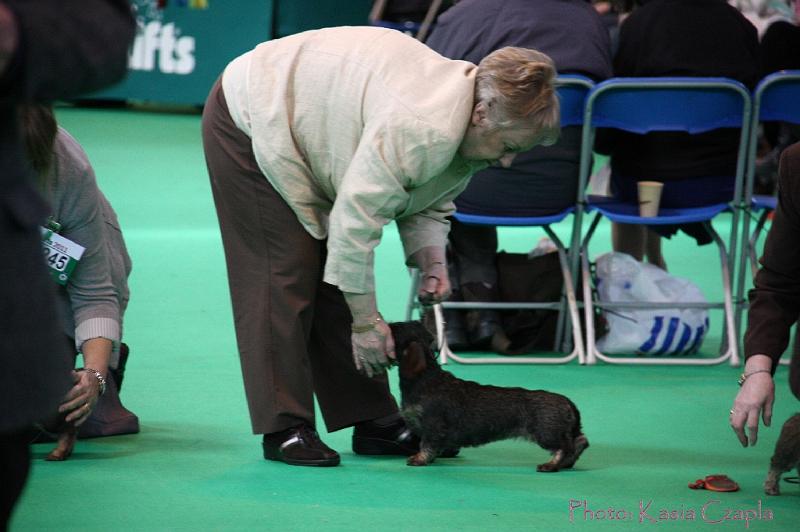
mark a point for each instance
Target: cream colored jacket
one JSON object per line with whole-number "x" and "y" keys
{"x": 355, "y": 127}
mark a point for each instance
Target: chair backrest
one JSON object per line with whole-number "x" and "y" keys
{"x": 694, "y": 105}
{"x": 572, "y": 92}
{"x": 691, "y": 104}
{"x": 776, "y": 98}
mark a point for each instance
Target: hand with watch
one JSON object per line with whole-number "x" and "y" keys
{"x": 89, "y": 382}
{"x": 373, "y": 345}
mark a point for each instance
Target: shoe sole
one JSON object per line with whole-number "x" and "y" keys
{"x": 379, "y": 447}
{"x": 330, "y": 462}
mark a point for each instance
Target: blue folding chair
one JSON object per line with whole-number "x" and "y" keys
{"x": 776, "y": 98}
{"x": 642, "y": 105}
{"x": 418, "y": 30}
{"x": 572, "y": 91}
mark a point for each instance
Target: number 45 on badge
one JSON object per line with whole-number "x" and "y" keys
{"x": 61, "y": 254}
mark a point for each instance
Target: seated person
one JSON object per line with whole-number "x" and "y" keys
{"x": 779, "y": 50}
{"x": 94, "y": 298}
{"x": 541, "y": 181}
{"x": 673, "y": 38}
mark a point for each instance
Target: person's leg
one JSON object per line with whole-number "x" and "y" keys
{"x": 630, "y": 239}
{"x": 346, "y": 396}
{"x": 474, "y": 250}
{"x": 274, "y": 267}
{"x": 653, "y": 249}
{"x": 15, "y": 462}
{"x": 627, "y": 238}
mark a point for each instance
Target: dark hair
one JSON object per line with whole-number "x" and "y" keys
{"x": 39, "y": 130}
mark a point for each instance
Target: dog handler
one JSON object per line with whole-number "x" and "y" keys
{"x": 774, "y": 307}
{"x": 313, "y": 143}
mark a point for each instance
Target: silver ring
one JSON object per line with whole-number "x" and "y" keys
{"x": 733, "y": 411}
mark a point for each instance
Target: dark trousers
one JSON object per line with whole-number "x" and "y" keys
{"x": 474, "y": 249}
{"x": 15, "y": 463}
{"x": 292, "y": 329}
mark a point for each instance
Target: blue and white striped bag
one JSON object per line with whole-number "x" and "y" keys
{"x": 656, "y": 332}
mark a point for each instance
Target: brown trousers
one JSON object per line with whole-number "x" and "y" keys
{"x": 292, "y": 329}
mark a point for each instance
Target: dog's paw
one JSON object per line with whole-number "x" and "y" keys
{"x": 547, "y": 467}
{"x": 418, "y": 459}
{"x": 772, "y": 488}
{"x": 772, "y": 482}
{"x": 58, "y": 455}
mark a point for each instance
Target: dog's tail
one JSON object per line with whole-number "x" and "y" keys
{"x": 577, "y": 428}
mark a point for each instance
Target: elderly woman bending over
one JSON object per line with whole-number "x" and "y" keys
{"x": 314, "y": 142}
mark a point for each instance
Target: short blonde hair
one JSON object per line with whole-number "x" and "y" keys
{"x": 518, "y": 87}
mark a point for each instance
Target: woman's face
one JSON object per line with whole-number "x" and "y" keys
{"x": 484, "y": 143}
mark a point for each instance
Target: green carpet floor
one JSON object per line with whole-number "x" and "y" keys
{"x": 195, "y": 465}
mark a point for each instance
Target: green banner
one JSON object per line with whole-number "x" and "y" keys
{"x": 182, "y": 46}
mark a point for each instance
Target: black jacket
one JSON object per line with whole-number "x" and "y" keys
{"x": 65, "y": 48}
{"x": 775, "y": 300}
{"x": 695, "y": 38}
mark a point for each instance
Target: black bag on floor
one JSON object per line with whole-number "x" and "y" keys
{"x": 524, "y": 279}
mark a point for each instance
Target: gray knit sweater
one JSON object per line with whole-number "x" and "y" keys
{"x": 95, "y": 298}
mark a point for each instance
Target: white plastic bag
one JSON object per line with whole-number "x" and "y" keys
{"x": 654, "y": 332}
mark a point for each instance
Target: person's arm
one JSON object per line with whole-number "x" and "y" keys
{"x": 774, "y": 305}
{"x": 372, "y": 193}
{"x": 424, "y": 238}
{"x": 93, "y": 297}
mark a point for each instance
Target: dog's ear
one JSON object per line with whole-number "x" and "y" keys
{"x": 422, "y": 332}
{"x": 413, "y": 360}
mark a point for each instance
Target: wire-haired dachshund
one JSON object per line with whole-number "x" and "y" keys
{"x": 448, "y": 413}
{"x": 786, "y": 456}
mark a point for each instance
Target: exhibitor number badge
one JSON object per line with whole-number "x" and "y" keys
{"x": 61, "y": 254}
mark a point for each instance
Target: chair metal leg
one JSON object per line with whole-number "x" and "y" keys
{"x": 753, "y": 241}
{"x": 412, "y": 304}
{"x": 574, "y": 322}
{"x": 588, "y": 309}
{"x": 732, "y": 352}
{"x": 593, "y": 354}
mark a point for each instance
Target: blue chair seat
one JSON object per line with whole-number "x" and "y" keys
{"x": 763, "y": 202}
{"x": 405, "y": 27}
{"x": 506, "y": 221}
{"x": 621, "y": 212}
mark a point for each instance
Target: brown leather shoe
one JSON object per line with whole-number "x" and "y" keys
{"x": 109, "y": 417}
{"x": 299, "y": 445}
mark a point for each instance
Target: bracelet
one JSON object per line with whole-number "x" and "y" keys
{"x": 357, "y": 329}
{"x": 745, "y": 376}
{"x": 98, "y": 376}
